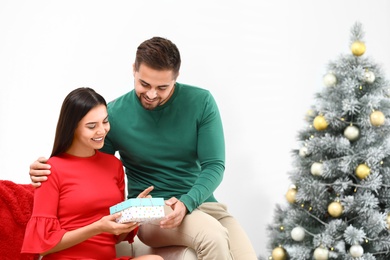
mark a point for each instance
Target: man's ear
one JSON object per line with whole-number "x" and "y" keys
{"x": 133, "y": 69}
{"x": 177, "y": 75}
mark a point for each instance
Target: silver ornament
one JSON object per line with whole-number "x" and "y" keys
{"x": 352, "y": 133}
{"x": 330, "y": 80}
{"x": 356, "y": 251}
{"x": 317, "y": 169}
{"x": 369, "y": 77}
{"x": 321, "y": 253}
{"x": 298, "y": 234}
{"x": 303, "y": 152}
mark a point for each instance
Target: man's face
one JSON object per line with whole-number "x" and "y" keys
{"x": 153, "y": 87}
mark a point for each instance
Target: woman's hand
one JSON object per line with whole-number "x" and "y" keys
{"x": 108, "y": 224}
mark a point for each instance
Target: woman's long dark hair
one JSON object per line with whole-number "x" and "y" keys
{"x": 75, "y": 106}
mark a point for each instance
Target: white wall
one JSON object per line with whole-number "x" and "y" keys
{"x": 262, "y": 60}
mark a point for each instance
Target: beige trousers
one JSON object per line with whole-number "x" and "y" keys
{"x": 210, "y": 230}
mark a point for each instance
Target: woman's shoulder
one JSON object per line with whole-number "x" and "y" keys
{"x": 108, "y": 157}
{"x": 56, "y": 160}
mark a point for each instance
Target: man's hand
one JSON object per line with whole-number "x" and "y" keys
{"x": 175, "y": 218}
{"x": 39, "y": 171}
{"x": 145, "y": 193}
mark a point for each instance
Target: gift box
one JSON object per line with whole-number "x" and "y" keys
{"x": 139, "y": 210}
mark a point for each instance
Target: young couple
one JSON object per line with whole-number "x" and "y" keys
{"x": 169, "y": 135}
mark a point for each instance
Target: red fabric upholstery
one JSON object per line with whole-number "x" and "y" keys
{"x": 16, "y": 202}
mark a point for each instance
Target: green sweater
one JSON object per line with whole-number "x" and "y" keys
{"x": 178, "y": 147}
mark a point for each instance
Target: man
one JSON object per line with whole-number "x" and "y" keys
{"x": 170, "y": 135}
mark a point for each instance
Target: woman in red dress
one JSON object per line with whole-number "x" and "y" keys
{"x": 70, "y": 218}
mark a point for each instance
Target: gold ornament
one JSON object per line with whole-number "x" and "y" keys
{"x": 279, "y": 253}
{"x": 320, "y": 123}
{"x": 358, "y": 48}
{"x": 362, "y": 171}
{"x": 335, "y": 209}
{"x": 388, "y": 221}
{"x": 290, "y": 195}
{"x": 377, "y": 118}
{"x": 309, "y": 114}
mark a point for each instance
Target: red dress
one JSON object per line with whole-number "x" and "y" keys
{"x": 78, "y": 192}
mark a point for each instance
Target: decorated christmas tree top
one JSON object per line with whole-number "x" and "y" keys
{"x": 339, "y": 200}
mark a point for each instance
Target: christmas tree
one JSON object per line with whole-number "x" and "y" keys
{"x": 338, "y": 203}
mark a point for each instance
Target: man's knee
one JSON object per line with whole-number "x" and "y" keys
{"x": 213, "y": 243}
{"x": 217, "y": 236}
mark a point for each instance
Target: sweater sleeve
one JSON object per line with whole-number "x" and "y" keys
{"x": 211, "y": 155}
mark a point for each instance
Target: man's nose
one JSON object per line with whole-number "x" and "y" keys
{"x": 151, "y": 94}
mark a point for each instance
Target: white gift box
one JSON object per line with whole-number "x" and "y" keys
{"x": 139, "y": 210}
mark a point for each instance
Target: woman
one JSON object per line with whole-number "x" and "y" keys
{"x": 70, "y": 218}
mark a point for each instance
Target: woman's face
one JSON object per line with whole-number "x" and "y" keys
{"x": 90, "y": 132}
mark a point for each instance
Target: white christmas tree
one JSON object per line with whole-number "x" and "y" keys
{"x": 339, "y": 201}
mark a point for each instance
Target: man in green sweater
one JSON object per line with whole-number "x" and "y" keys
{"x": 170, "y": 135}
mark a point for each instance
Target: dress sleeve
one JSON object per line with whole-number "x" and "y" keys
{"x": 43, "y": 231}
{"x": 130, "y": 237}
{"x": 121, "y": 179}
